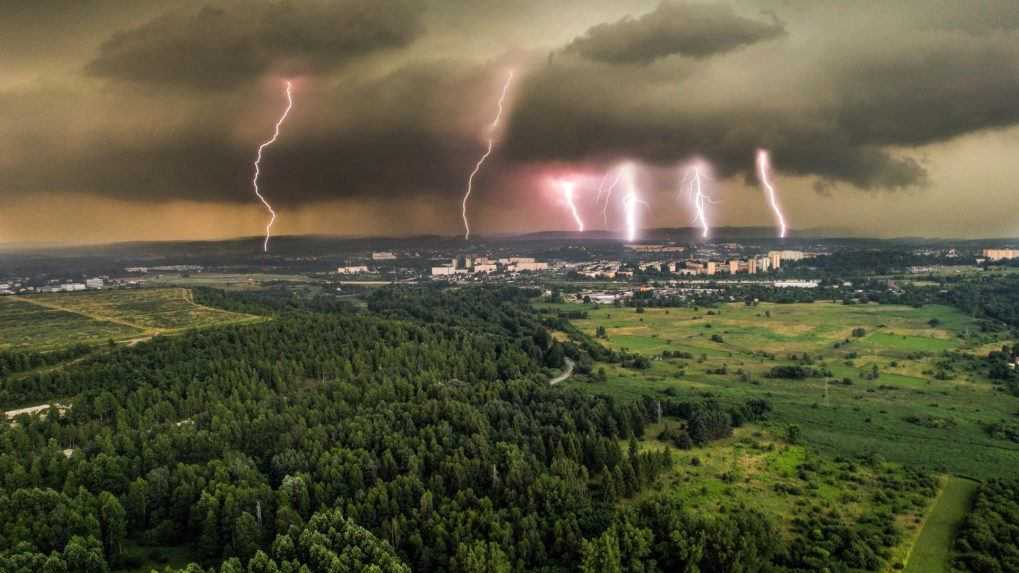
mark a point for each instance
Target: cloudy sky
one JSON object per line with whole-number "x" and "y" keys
{"x": 128, "y": 120}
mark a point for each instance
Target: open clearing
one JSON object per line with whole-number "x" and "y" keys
{"x": 50, "y": 321}
{"x": 26, "y": 326}
{"x": 788, "y": 483}
{"x": 857, "y": 415}
{"x": 227, "y": 281}
{"x": 933, "y": 549}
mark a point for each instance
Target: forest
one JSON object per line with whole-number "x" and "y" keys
{"x": 988, "y": 541}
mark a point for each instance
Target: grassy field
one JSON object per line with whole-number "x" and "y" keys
{"x": 730, "y": 351}
{"x": 24, "y": 325}
{"x": 755, "y": 469}
{"x": 932, "y": 551}
{"x": 864, "y": 416}
{"x": 49, "y": 321}
{"x": 226, "y": 281}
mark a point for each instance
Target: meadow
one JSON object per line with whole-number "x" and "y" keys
{"x": 55, "y": 320}
{"x": 790, "y": 483}
{"x": 227, "y": 281}
{"x": 26, "y": 326}
{"x": 906, "y": 414}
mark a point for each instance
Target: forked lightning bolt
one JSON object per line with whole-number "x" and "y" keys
{"x": 258, "y": 166}
{"x": 699, "y": 199}
{"x": 568, "y": 187}
{"x": 617, "y": 174}
{"x": 491, "y": 144}
{"x": 763, "y": 167}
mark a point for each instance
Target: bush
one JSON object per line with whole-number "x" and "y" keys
{"x": 790, "y": 372}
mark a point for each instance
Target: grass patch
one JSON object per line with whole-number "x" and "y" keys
{"x": 932, "y": 552}
{"x": 26, "y": 326}
{"x": 866, "y": 416}
{"x": 50, "y": 321}
{"x": 787, "y": 482}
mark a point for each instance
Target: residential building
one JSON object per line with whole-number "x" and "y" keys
{"x": 1001, "y": 254}
{"x": 776, "y": 259}
{"x": 352, "y": 270}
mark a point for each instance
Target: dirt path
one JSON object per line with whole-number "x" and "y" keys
{"x": 566, "y": 373}
{"x": 11, "y": 414}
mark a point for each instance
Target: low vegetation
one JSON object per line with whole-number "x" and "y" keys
{"x": 57, "y": 321}
{"x": 911, "y": 392}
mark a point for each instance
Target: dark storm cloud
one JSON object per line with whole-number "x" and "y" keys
{"x": 410, "y": 132}
{"x": 841, "y": 92}
{"x": 837, "y": 108}
{"x": 674, "y": 28}
{"x": 226, "y": 43}
{"x": 927, "y": 87}
{"x": 574, "y": 113}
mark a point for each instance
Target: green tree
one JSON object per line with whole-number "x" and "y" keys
{"x": 481, "y": 557}
{"x": 246, "y": 536}
{"x": 113, "y": 525}
{"x": 601, "y": 555}
{"x": 793, "y": 434}
{"x": 85, "y": 555}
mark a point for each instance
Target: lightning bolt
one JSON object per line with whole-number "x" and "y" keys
{"x": 630, "y": 202}
{"x": 763, "y": 166}
{"x": 258, "y": 165}
{"x": 568, "y": 187}
{"x": 699, "y": 198}
{"x": 491, "y": 144}
{"x": 608, "y": 191}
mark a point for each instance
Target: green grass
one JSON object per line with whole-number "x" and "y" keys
{"x": 161, "y": 309}
{"x": 784, "y": 481}
{"x": 933, "y": 549}
{"x": 226, "y": 281}
{"x": 864, "y": 418}
{"x": 868, "y": 416}
{"x": 50, "y": 321}
{"x": 25, "y": 326}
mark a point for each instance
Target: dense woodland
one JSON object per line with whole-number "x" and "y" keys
{"x": 418, "y": 435}
{"x": 988, "y": 541}
{"x": 992, "y": 296}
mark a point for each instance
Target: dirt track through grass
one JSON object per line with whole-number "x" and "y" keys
{"x": 48, "y": 321}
